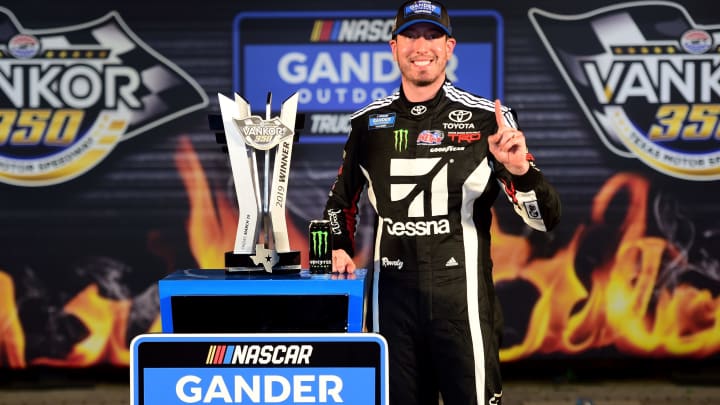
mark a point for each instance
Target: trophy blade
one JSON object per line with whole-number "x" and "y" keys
{"x": 243, "y": 107}
{"x": 281, "y": 177}
{"x": 288, "y": 112}
{"x": 247, "y": 231}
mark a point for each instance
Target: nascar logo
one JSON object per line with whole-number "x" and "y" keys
{"x": 259, "y": 354}
{"x": 352, "y": 30}
{"x": 651, "y": 94}
{"x": 67, "y": 102}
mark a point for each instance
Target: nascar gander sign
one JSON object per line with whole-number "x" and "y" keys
{"x": 338, "y": 62}
{"x": 648, "y": 79}
{"x": 348, "y": 368}
{"x": 70, "y": 94}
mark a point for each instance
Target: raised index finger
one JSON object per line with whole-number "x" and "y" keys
{"x": 499, "y": 115}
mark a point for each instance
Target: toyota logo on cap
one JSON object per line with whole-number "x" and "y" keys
{"x": 460, "y": 116}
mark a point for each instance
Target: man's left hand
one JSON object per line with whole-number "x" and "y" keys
{"x": 508, "y": 145}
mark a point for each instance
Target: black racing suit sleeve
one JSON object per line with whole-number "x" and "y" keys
{"x": 342, "y": 204}
{"x": 533, "y": 181}
{"x": 547, "y": 197}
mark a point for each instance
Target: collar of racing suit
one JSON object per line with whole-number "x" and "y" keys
{"x": 430, "y": 104}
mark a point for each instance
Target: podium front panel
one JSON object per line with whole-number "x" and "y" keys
{"x": 327, "y": 368}
{"x": 213, "y": 301}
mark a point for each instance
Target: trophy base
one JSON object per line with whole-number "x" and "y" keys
{"x": 244, "y": 263}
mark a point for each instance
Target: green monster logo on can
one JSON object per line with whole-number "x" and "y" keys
{"x": 320, "y": 242}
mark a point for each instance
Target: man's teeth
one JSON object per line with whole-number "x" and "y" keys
{"x": 422, "y": 62}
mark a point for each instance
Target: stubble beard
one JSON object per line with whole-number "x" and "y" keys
{"x": 420, "y": 80}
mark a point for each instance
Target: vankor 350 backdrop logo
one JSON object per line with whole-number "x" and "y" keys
{"x": 648, "y": 79}
{"x": 69, "y": 95}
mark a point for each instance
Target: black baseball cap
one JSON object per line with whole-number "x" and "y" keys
{"x": 418, "y": 11}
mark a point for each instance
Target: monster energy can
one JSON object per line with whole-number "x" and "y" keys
{"x": 320, "y": 247}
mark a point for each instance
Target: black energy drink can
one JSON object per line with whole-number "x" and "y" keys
{"x": 320, "y": 243}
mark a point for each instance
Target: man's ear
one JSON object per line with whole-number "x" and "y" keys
{"x": 450, "y": 44}
{"x": 393, "y": 46}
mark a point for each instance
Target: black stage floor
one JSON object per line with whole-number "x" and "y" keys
{"x": 523, "y": 386}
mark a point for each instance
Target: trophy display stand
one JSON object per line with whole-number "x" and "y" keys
{"x": 251, "y": 263}
{"x": 212, "y": 321}
{"x": 214, "y": 301}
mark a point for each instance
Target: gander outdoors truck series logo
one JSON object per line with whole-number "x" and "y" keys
{"x": 340, "y": 61}
{"x": 648, "y": 79}
{"x": 69, "y": 95}
{"x": 259, "y": 368}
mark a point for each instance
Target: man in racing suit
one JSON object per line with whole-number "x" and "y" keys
{"x": 434, "y": 158}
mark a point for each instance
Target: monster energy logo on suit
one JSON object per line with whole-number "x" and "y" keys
{"x": 320, "y": 247}
{"x": 401, "y": 139}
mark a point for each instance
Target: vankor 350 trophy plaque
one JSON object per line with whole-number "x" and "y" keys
{"x": 261, "y": 243}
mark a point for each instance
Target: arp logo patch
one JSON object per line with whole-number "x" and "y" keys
{"x": 646, "y": 77}
{"x": 69, "y": 95}
{"x": 430, "y": 137}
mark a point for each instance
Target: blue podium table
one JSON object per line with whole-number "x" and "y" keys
{"x": 213, "y": 301}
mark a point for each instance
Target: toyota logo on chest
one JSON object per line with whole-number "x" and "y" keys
{"x": 460, "y": 116}
{"x": 418, "y": 110}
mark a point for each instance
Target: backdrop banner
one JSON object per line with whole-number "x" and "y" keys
{"x": 111, "y": 178}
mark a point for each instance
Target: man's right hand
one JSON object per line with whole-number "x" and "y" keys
{"x": 342, "y": 262}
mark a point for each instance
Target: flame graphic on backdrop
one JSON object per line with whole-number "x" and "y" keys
{"x": 106, "y": 321}
{"x": 567, "y": 318}
{"x": 12, "y": 336}
{"x": 616, "y": 312}
{"x": 213, "y": 221}
{"x": 211, "y": 229}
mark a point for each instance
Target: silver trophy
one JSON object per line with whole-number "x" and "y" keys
{"x": 262, "y": 243}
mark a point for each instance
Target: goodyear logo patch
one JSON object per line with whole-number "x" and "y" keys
{"x": 69, "y": 95}
{"x": 647, "y": 79}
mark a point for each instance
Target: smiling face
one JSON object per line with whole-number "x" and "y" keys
{"x": 422, "y": 52}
